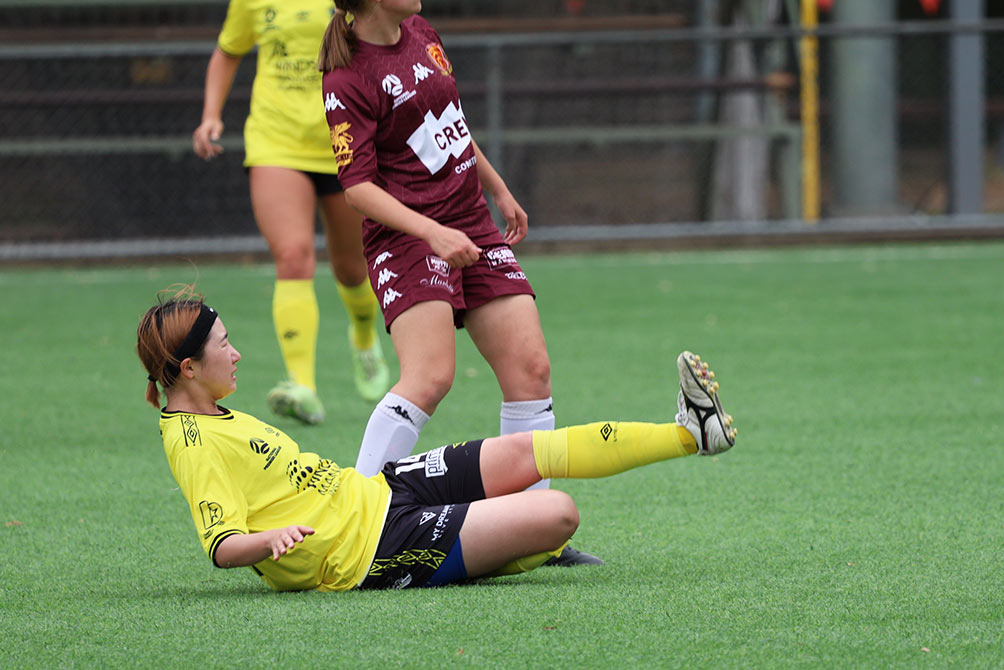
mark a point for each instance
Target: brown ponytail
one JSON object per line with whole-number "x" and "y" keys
{"x": 339, "y": 41}
{"x": 161, "y": 331}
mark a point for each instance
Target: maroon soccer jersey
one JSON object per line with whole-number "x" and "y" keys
{"x": 396, "y": 121}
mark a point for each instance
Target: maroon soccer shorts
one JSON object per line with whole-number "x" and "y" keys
{"x": 408, "y": 272}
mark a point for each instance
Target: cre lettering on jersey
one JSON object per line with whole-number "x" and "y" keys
{"x": 440, "y": 137}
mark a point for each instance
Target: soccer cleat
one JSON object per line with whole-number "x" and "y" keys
{"x": 571, "y": 556}
{"x": 300, "y": 402}
{"x": 700, "y": 408}
{"x": 372, "y": 376}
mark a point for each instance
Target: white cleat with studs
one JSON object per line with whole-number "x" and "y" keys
{"x": 700, "y": 408}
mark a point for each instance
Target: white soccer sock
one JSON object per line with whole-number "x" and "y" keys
{"x": 391, "y": 433}
{"x": 524, "y": 415}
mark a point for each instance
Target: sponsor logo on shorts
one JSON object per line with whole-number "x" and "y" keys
{"x": 435, "y": 466}
{"x": 438, "y": 265}
{"x": 381, "y": 258}
{"x": 437, "y": 281}
{"x": 500, "y": 257}
{"x": 441, "y": 523}
{"x": 389, "y": 296}
{"x": 427, "y": 516}
{"x": 402, "y": 583}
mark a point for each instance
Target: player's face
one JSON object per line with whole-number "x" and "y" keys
{"x": 217, "y": 370}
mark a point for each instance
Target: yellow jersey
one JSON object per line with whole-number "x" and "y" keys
{"x": 241, "y": 475}
{"x": 286, "y": 125}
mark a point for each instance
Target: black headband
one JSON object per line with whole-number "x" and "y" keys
{"x": 193, "y": 341}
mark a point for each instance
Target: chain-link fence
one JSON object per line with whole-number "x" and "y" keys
{"x": 646, "y": 121}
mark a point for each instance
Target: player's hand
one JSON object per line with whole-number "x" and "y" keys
{"x": 454, "y": 247}
{"x": 515, "y": 218}
{"x": 282, "y": 540}
{"x": 204, "y": 139}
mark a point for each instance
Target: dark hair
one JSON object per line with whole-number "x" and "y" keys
{"x": 161, "y": 332}
{"x": 339, "y": 41}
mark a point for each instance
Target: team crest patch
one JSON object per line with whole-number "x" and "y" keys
{"x": 438, "y": 57}
{"x": 341, "y": 143}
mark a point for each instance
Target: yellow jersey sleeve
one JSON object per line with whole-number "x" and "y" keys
{"x": 238, "y": 34}
{"x": 218, "y": 508}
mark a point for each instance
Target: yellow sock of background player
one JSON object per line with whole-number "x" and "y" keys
{"x": 296, "y": 317}
{"x": 607, "y": 448}
{"x": 362, "y": 307}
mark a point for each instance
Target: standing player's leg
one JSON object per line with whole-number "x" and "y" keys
{"x": 507, "y": 332}
{"x": 284, "y": 204}
{"x": 425, "y": 344}
{"x": 343, "y": 235}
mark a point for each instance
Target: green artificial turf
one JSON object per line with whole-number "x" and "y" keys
{"x": 858, "y": 523}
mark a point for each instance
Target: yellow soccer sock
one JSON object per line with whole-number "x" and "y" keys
{"x": 296, "y": 318}
{"x": 362, "y": 308}
{"x": 606, "y": 448}
{"x": 527, "y": 563}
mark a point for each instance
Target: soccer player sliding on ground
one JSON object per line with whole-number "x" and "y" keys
{"x": 456, "y": 512}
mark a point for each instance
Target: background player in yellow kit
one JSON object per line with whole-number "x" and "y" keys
{"x": 292, "y": 174}
{"x": 458, "y": 511}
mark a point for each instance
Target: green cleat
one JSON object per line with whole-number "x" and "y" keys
{"x": 372, "y": 376}
{"x": 300, "y": 402}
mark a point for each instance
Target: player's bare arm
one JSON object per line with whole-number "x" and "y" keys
{"x": 451, "y": 245}
{"x": 219, "y": 79}
{"x": 515, "y": 218}
{"x": 238, "y": 551}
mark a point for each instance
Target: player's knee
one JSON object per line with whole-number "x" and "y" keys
{"x": 563, "y": 515}
{"x": 537, "y": 372}
{"x": 432, "y": 388}
{"x": 294, "y": 262}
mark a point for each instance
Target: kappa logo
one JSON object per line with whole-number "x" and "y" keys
{"x": 421, "y": 72}
{"x": 427, "y": 516}
{"x": 331, "y": 103}
{"x": 440, "y": 137}
{"x": 392, "y": 85}
{"x": 386, "y": 274}
{"x": 390, "y": 295}
{"x": 381, "y": 258}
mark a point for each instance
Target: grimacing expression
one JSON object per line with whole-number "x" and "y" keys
{"x": 217, "y": 370}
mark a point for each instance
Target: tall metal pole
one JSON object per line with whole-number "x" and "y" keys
{"x": 863, "y": 101}
{"x": 809, "y": 62}
{"x": 965, "y": 111}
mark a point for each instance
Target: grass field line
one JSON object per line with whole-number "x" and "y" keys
{"x": 864, "y": 254}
